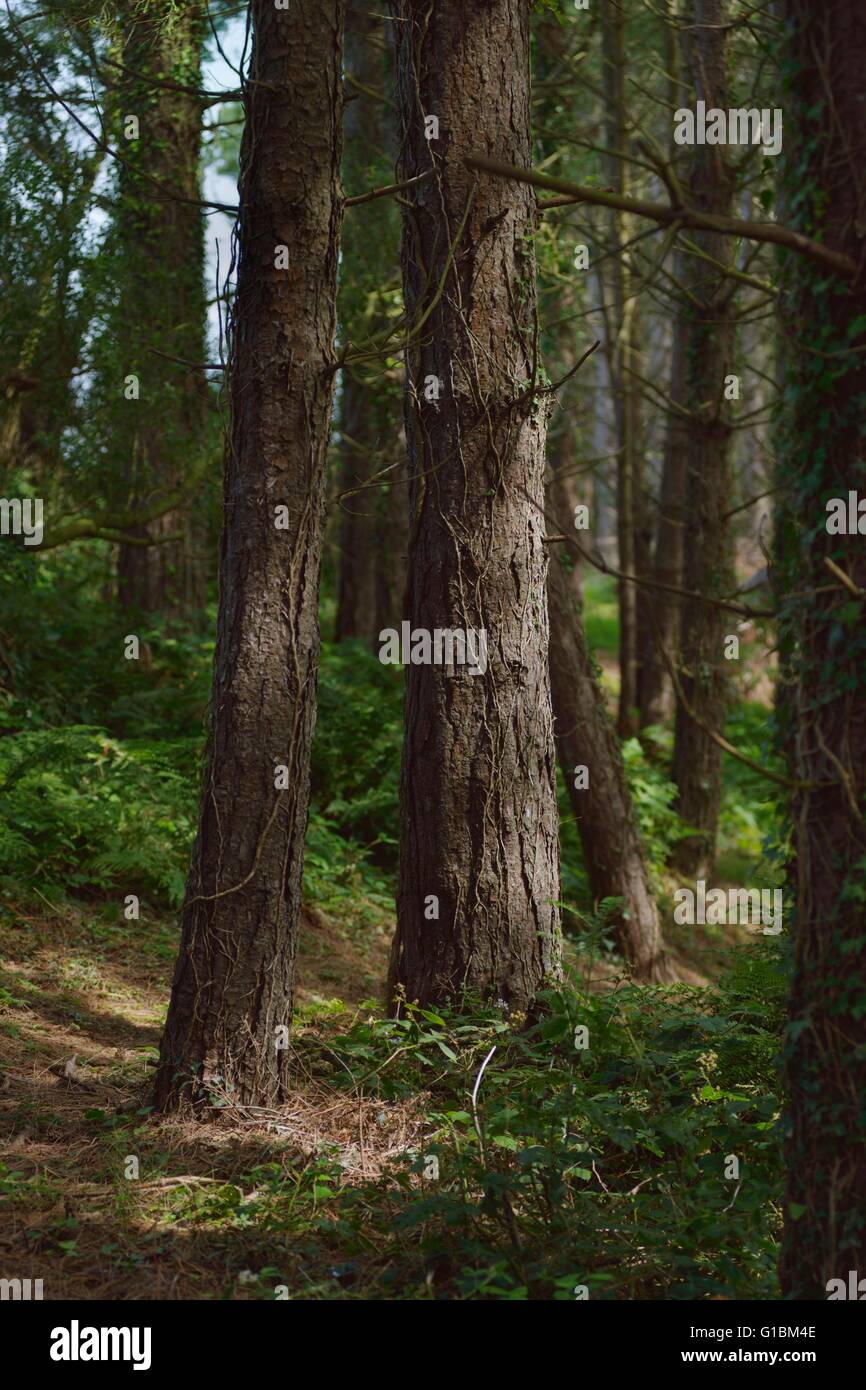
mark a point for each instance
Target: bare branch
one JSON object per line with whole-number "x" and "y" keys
{"x": 665, "y": 213}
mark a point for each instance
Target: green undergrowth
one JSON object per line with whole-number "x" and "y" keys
{"x": 645, "y": 1165}
{"x": 101, "y": 761}
{"x": 601, "y": 1169}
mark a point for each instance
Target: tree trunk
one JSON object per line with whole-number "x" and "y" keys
{"x": 823, "y": 455}
{"x": 642, "y": 544}
{"x": 392, "y": 534}
{"x": 623, "y": 360}
{"x": 161, "y": 305}
{"x": 657, "y": 699}
{"x": 370, "y": 400}
{"x": 567, "y": 485}
{"x": 603, "y": 809}
{"x": 697, "y": 761}
{"x": 357, "y": 610}
{"x": 37, "y": 402}
{"x": 479, "y": 870}
{"x": 565, "y": 490}
{"x": 232, "y": 992}
{"x": 663, "y": 627}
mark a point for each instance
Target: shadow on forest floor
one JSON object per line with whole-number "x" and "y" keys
{"x": 104, "y": 1200}
{"x": 72, "y": 987}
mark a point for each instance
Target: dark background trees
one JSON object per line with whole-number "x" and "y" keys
{"x": 159, "y": 320}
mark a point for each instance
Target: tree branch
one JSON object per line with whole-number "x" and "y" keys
{"x": 385, "y": 192}
{"x": 665, "y": 213}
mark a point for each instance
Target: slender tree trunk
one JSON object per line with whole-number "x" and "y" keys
{"x": 823, "y": 456}
{"x": 663, "y": 619}
{"x": 357, "y": 610}
{"x": 657, "y": 698}
{"x": 603, "y": 807}
{"x": 565, "y": 493}
{"x": 624, "y": 358}
{"x": 642, "y": 509}
{"x": 697, "y": 761}
{"x": 37, "y": 401}
{"x": 370, "y": 401}
{"x": 232, "y": 992}
{"x": 392, "y": 537}
{"x": 479, "y": 869}
{"x": 161, "y": 304}
{"x": 566, "y": 486}
{"x": 584, "y": 736}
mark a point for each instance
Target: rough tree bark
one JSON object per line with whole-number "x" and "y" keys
{"x": 823, "y": 455}
{"x": 161, "y": 303}
{"x": 478, "y": 805}
{"x": 232, "y": 990}
{"x": 703, "y": 680}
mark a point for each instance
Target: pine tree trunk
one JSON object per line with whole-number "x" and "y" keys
{"x": 391, "y": 540}
{"x": 564, "y": 492}
{"x": 623, "y": 355}
{"x": 697, "y": 761}
{"x": 357, "y": 610}
{"x": 161, "y": 306}
{"x": 823, "y": 456}
{"x": 567, "y": 486}
{"x": 370, "y": 401}
{"x": 603, "y": 808}
{"x": 479, "y": 870}
{"x": 232, "y": 991}
{"x": 657, "y": 696}
{"x": 657, "y": 699}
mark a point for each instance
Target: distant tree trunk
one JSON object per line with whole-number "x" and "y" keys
{"x": 697, "y": 761}
{"x": 357, "y": 610}
{"x": 392, "y": 538}
{"x": 565, "y": 491}
{"x": 566, "y": 487}
{"x": 663, "y": 619}
{"x": 643, "y": 515}
{"x": 479, "y": 870}
{"x": 623, "y": 356}
{"x": 36, "y": 404}
{"x": 657, "y": 701}
{"x": 161, "y": 304}
{"x": 370, "y": 402}
{"x": 823, "y": 456}
{"x": 233, "y": 982}
{"x": 603, "y": 808}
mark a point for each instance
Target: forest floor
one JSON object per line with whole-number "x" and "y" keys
{"x": 576, "y": 1166}
{"x": 87, "y": 997}
{"x": 83, "y": 1003}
